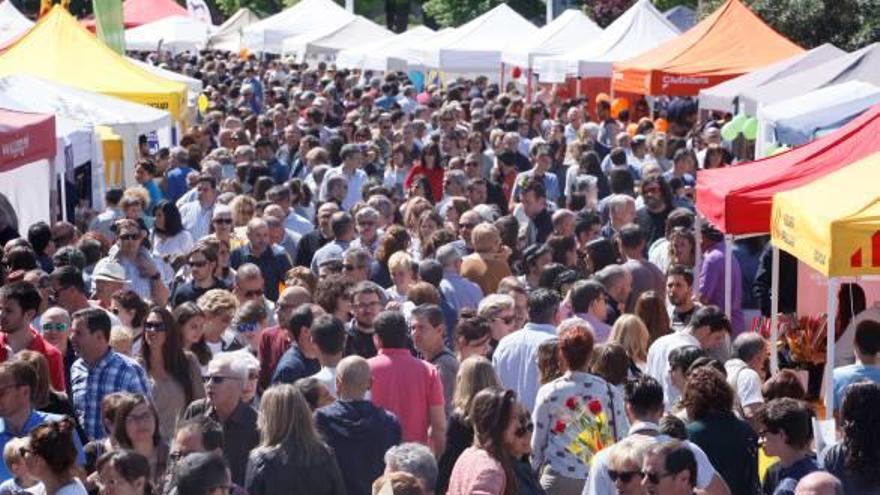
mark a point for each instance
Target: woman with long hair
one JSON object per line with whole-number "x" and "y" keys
{"x": 174, "y": 374}
{"x": 136, "y": 427}
{"x": 431, "y": 168}
{"x": 854, "y": 461}
{"x": 502, "y": 429}
{"x": 191, "y": 321}
{"x": 475, "y": 374}
{"x": 651, "y": 309}
{"x": 290, "y": 455}
{"x": 730, "y": 443}
{"x": 51, "y": 457}
{"x": 397, "y": 169}
{"x": 124, "y": 472}
{"x": 396, "y": 239}
{"x": 44, "y": 397}
{"x": 131, "y": 310}
{"x": 473, "y": 336}
{"x": 631, "y": 333}
{"x": 169, "y": 239}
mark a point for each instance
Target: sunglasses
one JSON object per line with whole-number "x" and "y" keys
{"x": 623, "y": 476}
{"x": 226, "y": 221}
{"x": 654, "y": 478}
{"x": 253, "y": 293}
{"x": 198, "y": 264}
{"x": 128, "y": 237}
{"x": 151, "y": 326}
{"x": 54, "y": 327}
{"x": 525, "y": 426}
{"x": 350, "y": 268}
{"x": 218, "y": 379}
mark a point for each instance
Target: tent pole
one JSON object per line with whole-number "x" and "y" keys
{"x": 529, "y": 86}
{"x": 501, "y": 82}
{"x": 829, "y": 358}
{"x": 698, "y": 254}
{"x": 577, "y": 87}
{"x": 728, "y": 276}
{"x": 774, "y": 311}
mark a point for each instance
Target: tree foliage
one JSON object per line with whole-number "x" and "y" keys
{"x": 453, "y": 13}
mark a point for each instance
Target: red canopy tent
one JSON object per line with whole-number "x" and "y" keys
{"x": 738, "y": 200}
{"x": 27, "y": 146}
{"x": 25, "y": 138}
{"x": 137, "y": 12}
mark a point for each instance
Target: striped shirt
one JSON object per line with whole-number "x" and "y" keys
{"x": 112, "y": 373}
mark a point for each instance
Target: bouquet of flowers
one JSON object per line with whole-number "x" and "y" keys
{"x": 584, "y": 426}
{"x": 805, "y": 338}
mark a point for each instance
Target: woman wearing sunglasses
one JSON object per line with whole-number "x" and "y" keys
{"x": 502, "y": 431}
{"x": 174, "y": 373}
{"x": 625, "y": 464}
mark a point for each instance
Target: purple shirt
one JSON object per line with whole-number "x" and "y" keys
{"x": 712, "y": 284}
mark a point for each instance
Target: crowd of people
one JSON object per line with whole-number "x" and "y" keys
{"x": 340, "y": 283}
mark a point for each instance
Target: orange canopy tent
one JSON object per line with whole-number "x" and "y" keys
{"x": 730, "y": 42}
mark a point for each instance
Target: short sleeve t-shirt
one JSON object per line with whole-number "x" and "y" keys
{"x": 745, "y": 381}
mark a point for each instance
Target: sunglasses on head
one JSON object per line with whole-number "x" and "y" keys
{"x": 623, "y": 476}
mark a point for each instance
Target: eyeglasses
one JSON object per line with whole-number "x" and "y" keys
{"x": 351, "y": 268}
{"x": 198, "y": 264}
{"x": 152, "y": 326}
{"x": 623, "y": 476}
{"x": 654, "y": 478}
{"x": 225, "y": 221}
{"x": 139, "y": 418}
{"x": 253, "y": 293}
{"x": 128, "y": 237}
{"x": 54, "y": 327}
{"x": 218, "y": 379}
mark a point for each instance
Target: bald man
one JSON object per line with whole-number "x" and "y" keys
{"x": 55, "y": 329}
{"x": 819, "y": 483}
{"x": 358, "y": 431}
{"x": 275, "y": 340}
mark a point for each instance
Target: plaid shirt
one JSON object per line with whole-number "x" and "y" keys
{"x": 112, "y": 373}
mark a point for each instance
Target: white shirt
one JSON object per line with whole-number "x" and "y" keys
{"x": 658, "y": 362}
{"x": 844, "y": 348}
{"x": 745, "y": 382}
{"x": 297, "y": 223}
{"x": 355, "y": 183}
{"x": 516, "y": 361}
{"x": 599, "y": 483}
{"x": 327, "y": 376}
{"x": 196, "y": 220}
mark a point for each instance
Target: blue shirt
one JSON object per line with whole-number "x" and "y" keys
{"x": 273, "y": 264}
{"x": 293, "y": 365}
{"x": 112, "y": 373}
{"x": 460, "y": 292}
{"x": 846, "y": 375}
{"x": 35, "y": 419}
{"x": 333, "y": 250}
{"x": 280, "y": 171}
{"x": 551, "y": 185}
{"x": 175, "y": 183}
{"x": 516, "y": 360}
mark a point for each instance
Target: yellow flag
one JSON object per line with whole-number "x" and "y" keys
{"x": 45, "y": 7}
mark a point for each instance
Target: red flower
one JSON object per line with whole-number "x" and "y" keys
{"x": 559, "y": 427}
{"x": 595, "y": 406}
{"x": 571, "y": 403}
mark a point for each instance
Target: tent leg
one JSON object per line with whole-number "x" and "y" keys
{"x": 728, "y": 276}
{"x": 829, "y": 358}
{"x": 501, "y": 79}
{"x": 774, "y": 311}
{"x": 577, "y": 87}
{"x": 529, "y": 86}
{"x": 698, "y": 254}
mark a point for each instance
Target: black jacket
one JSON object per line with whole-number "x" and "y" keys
{"x": 240, "y": 433}
{"x": 359, "y": 434}
{"x": 274, "y": 471}
{"x": 459, "y": 436}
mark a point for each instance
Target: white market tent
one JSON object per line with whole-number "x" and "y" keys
{"x": 228, "y": 37}
{"x": 126, "y": 119}
{"x": 476, "y": 47}
{"x": 304, "y": 17}
{"x": 572, "y": 28}
{"x": 193, "y": 86}
{"x": 176, "y": 34}
{"x": 325, "y": 44}
{"x": 12, "y": 22}
{"x": 413, "y": 54}
{"x": 386, "y": 55}
{"x": 801, "y": 119}
{"x": 639, "y": 29}
{"x": 724, "y": 96}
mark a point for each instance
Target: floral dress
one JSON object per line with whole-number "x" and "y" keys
{"x": 575, "y": 416}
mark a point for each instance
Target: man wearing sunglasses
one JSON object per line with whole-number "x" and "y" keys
{"x": 202, "y": 261}
{"x": 669, "y": 469}
{"x": 141, "y": 270}
{"x": 224, "y": 384}
{"x": 643, "y": 403}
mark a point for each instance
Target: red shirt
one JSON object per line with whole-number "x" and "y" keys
{"x": 407, "y": 387}
{"x": 434, "y": 176}
{"x": 53, "y": 356}
{"x": 273, "y": 342}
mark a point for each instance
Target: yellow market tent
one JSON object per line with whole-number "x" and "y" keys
{"x": 111, "y": 146}
{"x": 832, "y": 225}
{"x": 58, "y": 49}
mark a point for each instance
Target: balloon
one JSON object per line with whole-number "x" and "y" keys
{"x": 632, "y": 129}
{"x": 729, "y": 131}
{"x": 661, "y": 125}
{"x": 617, "y": 106}
{"x": 202, "y": 103}
{"x": 738, "y": 121}
{"x": 516, "y": 72}
{"x": 750, "y": 129}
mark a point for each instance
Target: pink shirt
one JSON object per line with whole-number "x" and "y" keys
{"x": 477, "y": 473}
{"x": 407, "y": 387}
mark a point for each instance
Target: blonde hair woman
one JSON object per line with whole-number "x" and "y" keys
{"x": 290, "y": 454}
{"x": 400, "y": 267}
{"x": 631, "y": 333}
{"x": 625, "y": 464}
{"x": 475, "y": 374}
